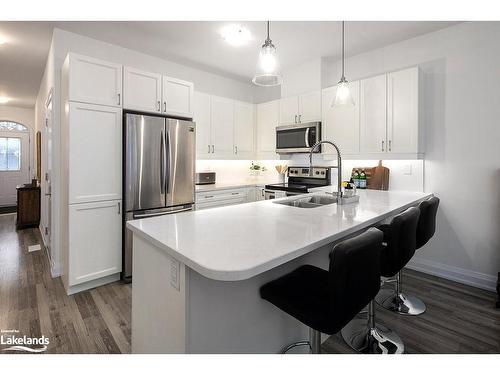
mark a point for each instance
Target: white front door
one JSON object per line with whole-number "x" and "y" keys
{"x": 14, "y": 164}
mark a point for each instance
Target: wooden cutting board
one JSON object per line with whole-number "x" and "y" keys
{"x": 377, "y": 178}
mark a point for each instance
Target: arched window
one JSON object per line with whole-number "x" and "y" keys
{"x": 10, "y": 146}
{"x": 11, "y": 126}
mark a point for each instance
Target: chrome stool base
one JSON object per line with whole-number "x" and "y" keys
{"x": 375, "y": 340}
{"x": 401, "y": 303}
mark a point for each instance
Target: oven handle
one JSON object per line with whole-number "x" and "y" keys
{"x": 306, "y": 137}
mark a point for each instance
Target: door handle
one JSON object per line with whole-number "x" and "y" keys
{"x": 236, "y": 150}
{"x": 209, "y": 149}
{"x": 158, "y": 106}
{"x": 119, "y": 99}
{"x": 213, "y": 149}
{"x": 163, "y": 163}
{"x": 295, "y": 118}
{"x": 383, "y": 146}
{"x": 306, "y": 137}
{"x": 119, "y": 208}
{"x": 165, "y": 106}
{"x": 167, "y": 162}
{"x": 209, "y": 196}
{"x": 262, "y": 192}
{"x": 390, "y": 145}
{"x": 300, "y": 121}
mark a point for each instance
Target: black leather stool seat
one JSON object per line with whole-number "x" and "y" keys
{"x": 427, "y": 221}
{"x": 303, "y": 294}
{"x": 327, "y": 300}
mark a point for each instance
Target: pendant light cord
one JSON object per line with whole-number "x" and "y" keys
{"x": 343, "y": 52}
{"x": 268, "y": 30}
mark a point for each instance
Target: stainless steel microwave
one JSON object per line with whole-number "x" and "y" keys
{"x": 297, "y": 137}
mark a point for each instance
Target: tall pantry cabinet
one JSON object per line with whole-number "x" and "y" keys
{"x": 91, "y": 172}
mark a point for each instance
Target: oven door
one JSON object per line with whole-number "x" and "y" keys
{"x": 297, "y": 138}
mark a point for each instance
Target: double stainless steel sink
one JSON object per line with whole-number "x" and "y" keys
{"x": 308, "y": 202}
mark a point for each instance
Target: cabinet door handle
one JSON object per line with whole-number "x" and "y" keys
{"x": 165, "y": 106}
{"x": 295, "y": 118}
{"x": 209, "y": 196}
{"x": 234, "y": 193}
{"x": 262, "y": 192}
{"x": 390, "y": 145}
{"x": 383, "y": 146}
{"x": 209, "y": 149}
{"x": 300, "y": 121}
{"x": 158, "y": 104}
{"x": 119, "y": 99}
{"x": 213, "y": 149}
{"x": 236, "y": 150}
{"x": 119, "y": 208}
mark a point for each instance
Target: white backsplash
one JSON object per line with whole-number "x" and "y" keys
{"x": 404, "y": 174}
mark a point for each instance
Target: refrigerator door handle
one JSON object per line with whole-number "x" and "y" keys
{"x": 167, "y": 162}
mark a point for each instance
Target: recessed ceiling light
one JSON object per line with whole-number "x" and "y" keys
{"x": 4, "y": 99}
{"x": 236, "y": 35}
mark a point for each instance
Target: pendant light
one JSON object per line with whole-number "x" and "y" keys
{"x": 343, "y": 97}
{"x": 268, "y": 72}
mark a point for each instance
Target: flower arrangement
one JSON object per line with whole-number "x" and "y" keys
{"x": 256, "y": 169}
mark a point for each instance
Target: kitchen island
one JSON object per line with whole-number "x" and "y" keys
{"x": 196, "y": 275}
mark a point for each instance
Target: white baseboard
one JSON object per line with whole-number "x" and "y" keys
{"x": 460, "y": 275}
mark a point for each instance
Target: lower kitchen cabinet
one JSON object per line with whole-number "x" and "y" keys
{"x": 220, "y": 198}
{"x": 95, "y": 245}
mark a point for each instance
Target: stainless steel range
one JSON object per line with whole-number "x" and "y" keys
{"x": 300, "y": 181}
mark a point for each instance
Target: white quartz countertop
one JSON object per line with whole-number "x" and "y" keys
{"x": 239, "y": 242}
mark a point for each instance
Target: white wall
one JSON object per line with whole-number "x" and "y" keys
{"x": 301, "y": 79}
{"x": 462, "y": 160}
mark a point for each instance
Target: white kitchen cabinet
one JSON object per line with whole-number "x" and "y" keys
{"x": 289, "y": 110}
{"x": 300, "y": 109}
{"x": 95, "y": 233}
{"x": 373, "y": 112}
{"x": 402, "y": 112}
{"x": 202, "y": 118}
{"x": 141, "y": 90}
{"x": 221, "y": 119}
{"x": 259, "y": 192}
{"x": 95, "y": 157}
{"x": 94, "y": 81}
{"x": 156, "y": 93}
{"x": 310, "y": 107}
{"x": 177, "y": 96}
{"x": 341, "y": 124}
{"x": 220, "y": 198}
{"x": 244, "y": 129}
{"x": 268, "y": 115}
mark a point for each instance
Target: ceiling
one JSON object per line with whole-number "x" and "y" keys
{"x": 197, "y": 44}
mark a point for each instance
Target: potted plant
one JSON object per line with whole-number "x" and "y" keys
{"x": 256, "y": 169}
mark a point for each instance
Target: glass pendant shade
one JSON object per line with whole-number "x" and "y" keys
{"x": 268, "y": 69}
{"x": 343, "y": 97}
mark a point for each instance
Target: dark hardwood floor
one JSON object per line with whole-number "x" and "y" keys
{"x": 459, "y": 319}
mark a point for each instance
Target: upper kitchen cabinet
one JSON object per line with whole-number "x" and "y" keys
{"x": 373, "y": 121}
{"x": 155, "y": 93}
{"x": 390, "y": 115}
{"x": 94, "y": 81}
{"x": 244, "y": 129}
{"x": 142, "y": 90}
{"x": 177, "y": 97}
{"x": 268, "y": 116}
{"x": 403, "y": 132}
{"x": 300, "y": 109}
{"x": 203, "y": 126}
{"x": 221, "y": 119}
{"x": 341, "y": 125}
{"x": 95, "y": 153}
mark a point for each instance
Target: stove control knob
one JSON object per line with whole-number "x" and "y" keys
{"x": 317, "y": 172}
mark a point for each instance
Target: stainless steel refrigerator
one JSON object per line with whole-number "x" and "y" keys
{"x": 159, "y": 170}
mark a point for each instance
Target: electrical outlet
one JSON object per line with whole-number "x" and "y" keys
{"x": 407, "y": 169}
{"x": 175, "y": 274}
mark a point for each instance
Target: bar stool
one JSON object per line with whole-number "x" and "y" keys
{"x": 395, "y": 299}
{"x": 325, "y": 301}
{"x": 395, "y": 254}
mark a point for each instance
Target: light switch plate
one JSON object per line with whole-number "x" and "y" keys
{"x": 175, "y": 274}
